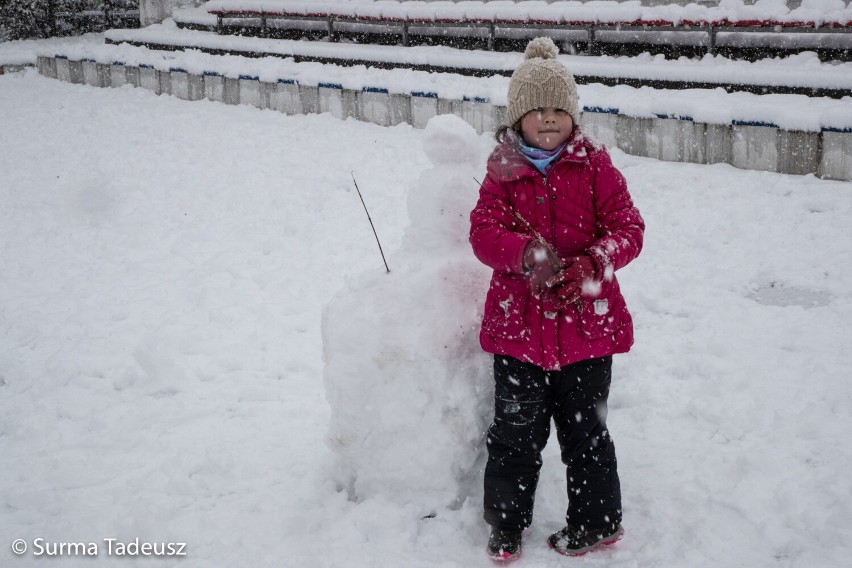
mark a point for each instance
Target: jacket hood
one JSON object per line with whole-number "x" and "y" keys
{"x": 508, "y": 163}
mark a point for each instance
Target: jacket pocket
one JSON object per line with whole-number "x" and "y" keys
{"x": 603, "y": 315}
{"x": 506, "y": 308}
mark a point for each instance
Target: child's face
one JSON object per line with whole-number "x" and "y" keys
{"x": 546, "y": 128}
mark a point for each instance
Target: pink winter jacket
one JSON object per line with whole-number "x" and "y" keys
{"x": 582, "y": 206}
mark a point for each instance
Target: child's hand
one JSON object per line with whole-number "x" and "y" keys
{"x": 543, "y": 265}
{"x": 566, "y": 287}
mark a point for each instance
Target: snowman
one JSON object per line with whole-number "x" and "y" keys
{"x": 409, "y": 387}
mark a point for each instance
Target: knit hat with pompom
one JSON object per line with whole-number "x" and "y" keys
{"x": 541, "y": 81}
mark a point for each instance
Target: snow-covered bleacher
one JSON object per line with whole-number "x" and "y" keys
{"x": 766, "y": 13}
{"x": 783, "y": 133}
{"x": 798, "y": 74}
{"x": 390, "y": 16}
{"x": 790, "y": 112}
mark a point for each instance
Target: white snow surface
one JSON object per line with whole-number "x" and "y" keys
{"x": 165, "y": 269}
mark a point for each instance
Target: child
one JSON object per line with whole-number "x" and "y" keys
{"x": 555, "y": 221}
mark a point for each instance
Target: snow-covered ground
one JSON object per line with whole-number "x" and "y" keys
{"x": 163, "y": 272}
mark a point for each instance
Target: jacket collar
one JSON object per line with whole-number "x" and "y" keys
{"x": 508, "y": 163}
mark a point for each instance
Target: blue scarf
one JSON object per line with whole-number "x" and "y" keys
{"x": 541, "y": 159}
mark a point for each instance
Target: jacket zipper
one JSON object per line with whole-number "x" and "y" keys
{"x": 578, "y": 302}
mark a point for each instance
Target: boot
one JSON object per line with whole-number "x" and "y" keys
{"x": 504, "y": 545}
{"x": 571, "y": 541}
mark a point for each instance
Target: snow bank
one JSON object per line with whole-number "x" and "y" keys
{"x": 408, "y": 384}
{"x": 23, "y": 51}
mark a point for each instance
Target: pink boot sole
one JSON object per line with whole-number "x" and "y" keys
{"x": 504, "y": 557}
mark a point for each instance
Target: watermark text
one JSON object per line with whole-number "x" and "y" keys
{"x": 105, "y": 547}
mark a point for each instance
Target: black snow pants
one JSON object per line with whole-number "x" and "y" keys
{"x": 525, "y": 399}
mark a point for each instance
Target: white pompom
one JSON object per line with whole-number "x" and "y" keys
{"x": 541, "y": 47}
